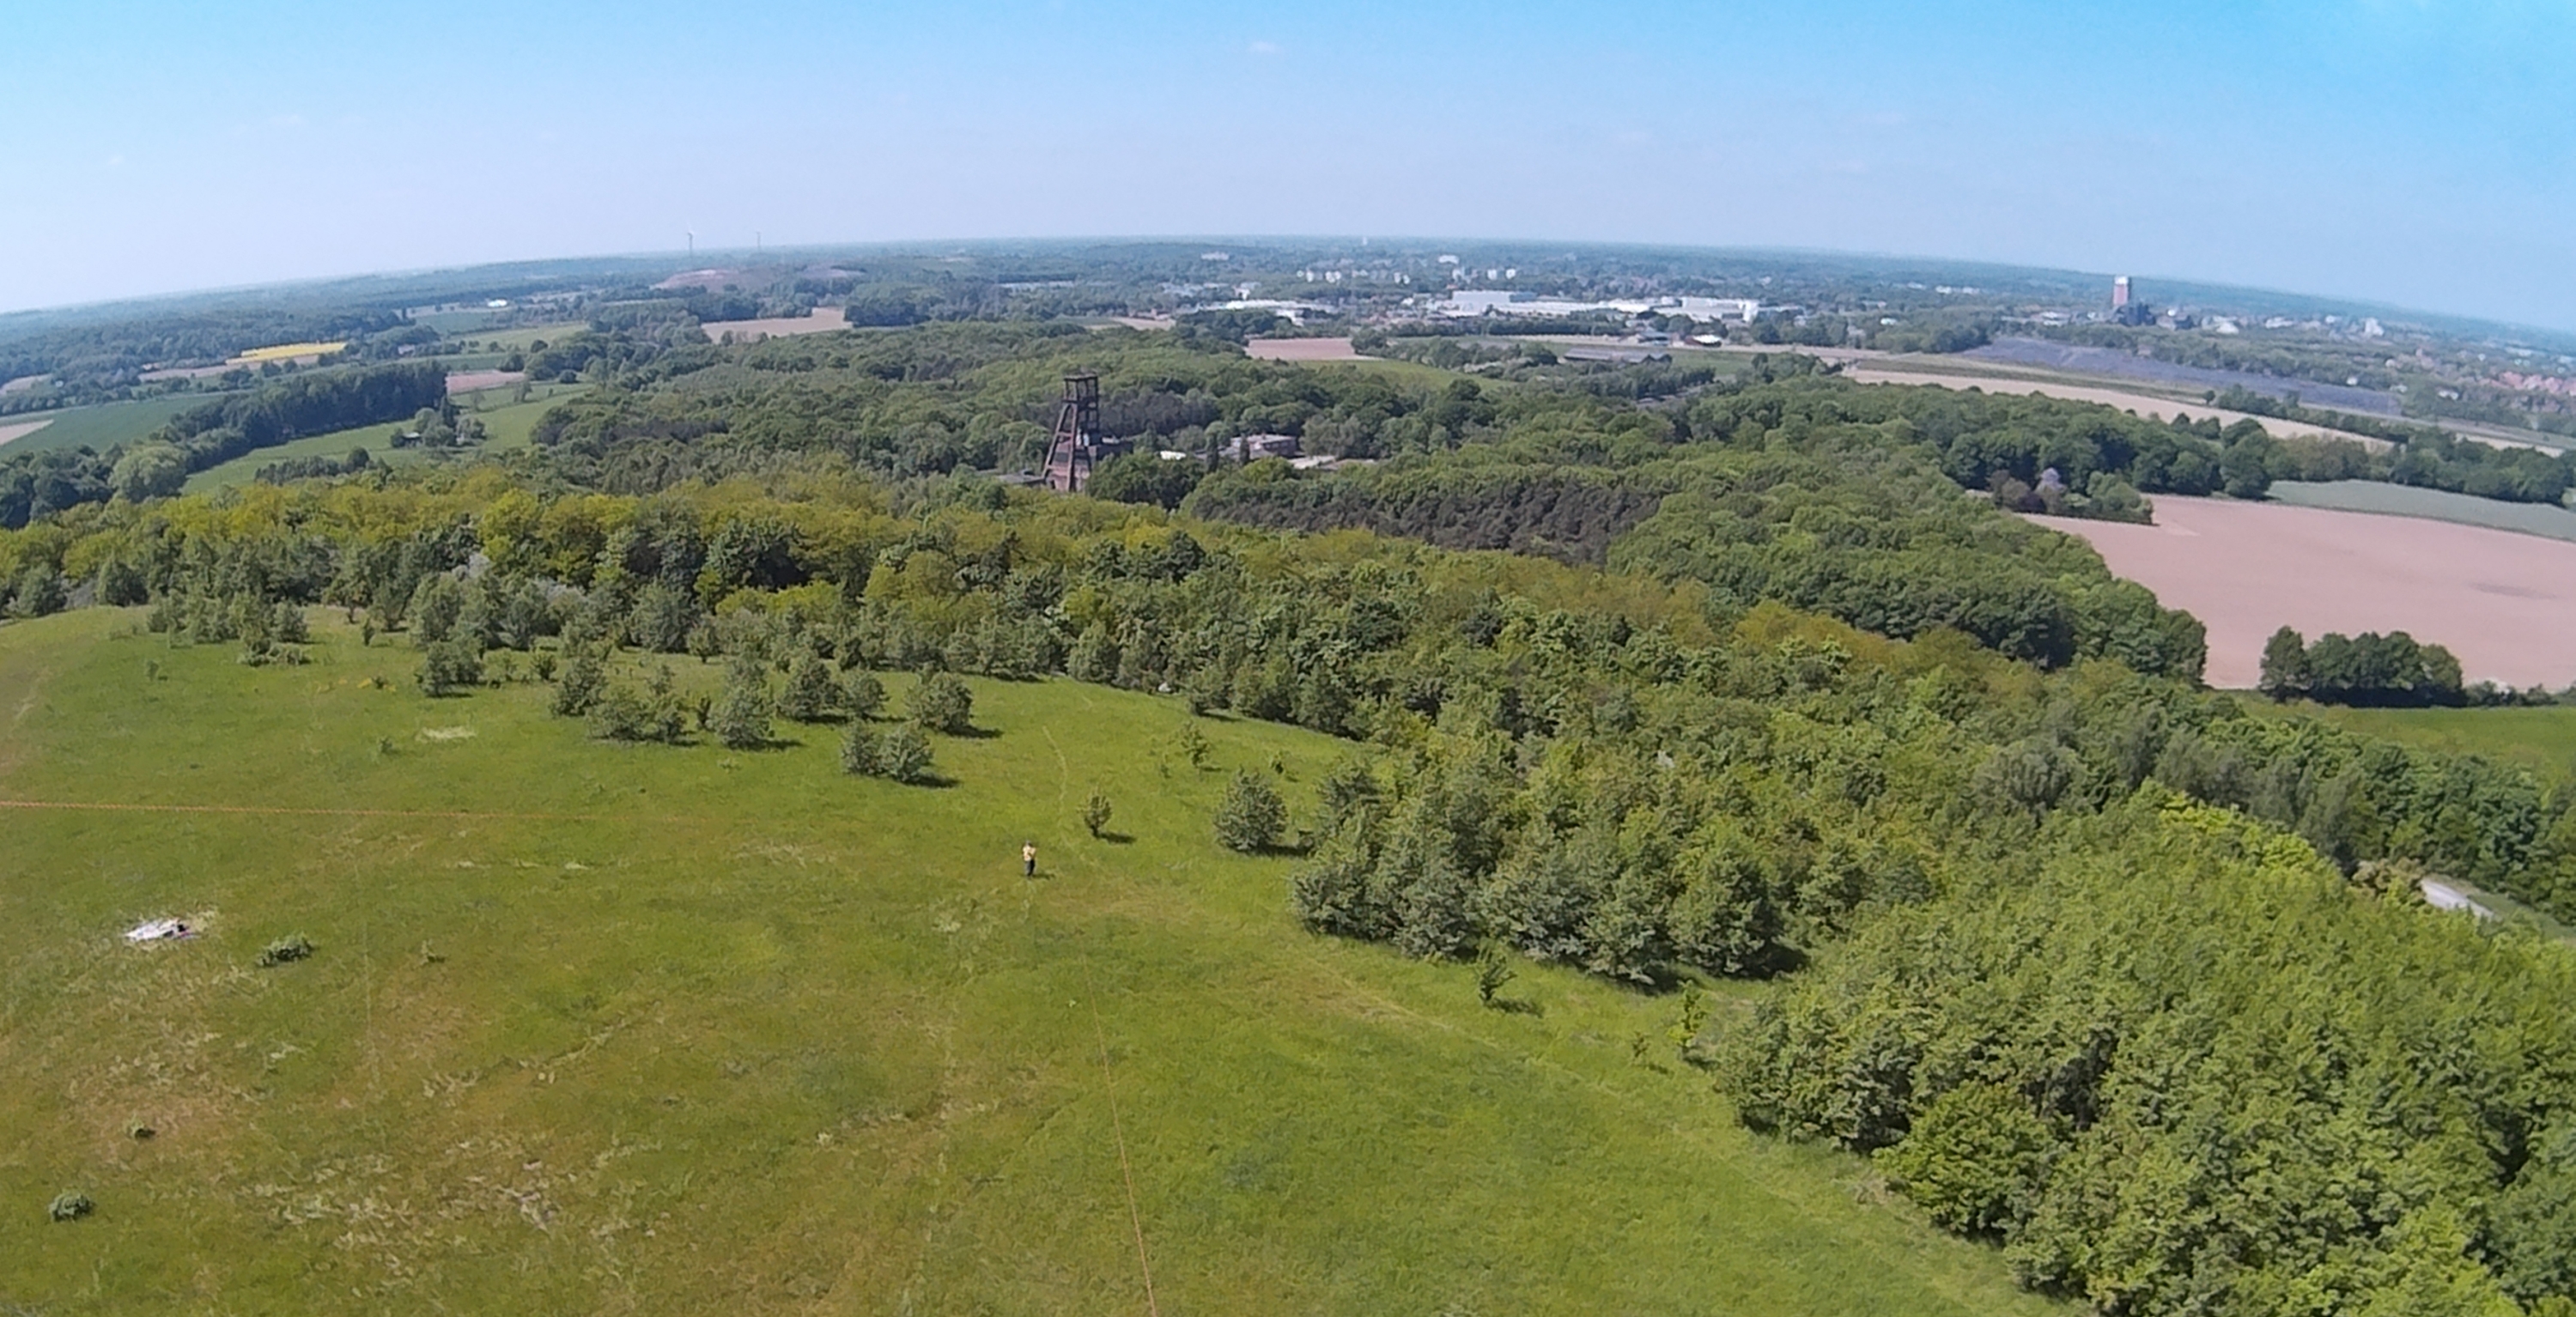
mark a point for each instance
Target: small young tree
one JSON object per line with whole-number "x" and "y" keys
{"x": 622, "y": 713}
{"x": 862, "y": 695}
{"x": 1193, "y": 745}
{"x": 1689, "y": 1021}
{"x": 585, "y": 679}
{"x": 904, "y": 755}
{"x": 942, "y": 703}
{"x": 1095, "y": 811}
{"x": 860, "y": 750}
{"x": 1250, "y": 815}
{"x": 740, "y": 718}
{"x": 811, "y": 693}
{"x": 1493, "y": 970}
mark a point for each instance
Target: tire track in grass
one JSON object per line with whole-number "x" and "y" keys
{"x": 300, "y": 811}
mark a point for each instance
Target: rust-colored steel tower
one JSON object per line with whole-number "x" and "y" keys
{"x": 1076, "y": 447}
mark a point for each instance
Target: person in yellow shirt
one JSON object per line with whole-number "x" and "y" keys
{"x": 1028, "y": 859}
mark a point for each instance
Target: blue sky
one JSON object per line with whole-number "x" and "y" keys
{"x": 2417, "y": 153}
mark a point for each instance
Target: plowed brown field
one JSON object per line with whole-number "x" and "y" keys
{"x": 2504, "y": 603}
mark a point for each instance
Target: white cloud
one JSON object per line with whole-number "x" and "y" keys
{"x": 1267, "y": 48}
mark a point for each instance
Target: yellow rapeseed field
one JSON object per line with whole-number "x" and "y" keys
{"x": 288, "y": 352}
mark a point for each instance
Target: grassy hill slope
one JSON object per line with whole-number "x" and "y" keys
{"x": 644, "y": 1029}
{"x": 2542, "y": 739}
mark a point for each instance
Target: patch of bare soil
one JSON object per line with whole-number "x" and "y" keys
{"x": 824, "y": 320}
{"x": 467, "y": 381}
{"x": 1301, "y": 349}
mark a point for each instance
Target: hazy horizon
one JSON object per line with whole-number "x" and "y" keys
{"x": 2373, "y": 152}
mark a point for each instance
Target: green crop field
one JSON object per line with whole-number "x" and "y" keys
{"x": 2430, "y": 504}
{"x": 507, "y": 425}
{"x": 103, "y": 426}
{"x": 1397, "y": 372}
{"x": 595, "y": 1028}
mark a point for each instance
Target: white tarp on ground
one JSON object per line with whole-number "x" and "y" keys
{"x": 2443, "y": 896}
{"x": 158, "y": 930}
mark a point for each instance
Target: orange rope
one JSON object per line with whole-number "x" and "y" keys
{"x": 1135, "y": 1218}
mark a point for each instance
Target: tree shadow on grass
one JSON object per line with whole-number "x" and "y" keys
{"x": 976, "y": 734}
{"x": 1114, "y": 838}
{"x": 1517, "y": 1006}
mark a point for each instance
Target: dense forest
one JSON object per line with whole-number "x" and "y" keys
{"x": 1757, "y": 681}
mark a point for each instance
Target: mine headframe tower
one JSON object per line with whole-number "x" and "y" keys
{"x": 1077, "y": 447}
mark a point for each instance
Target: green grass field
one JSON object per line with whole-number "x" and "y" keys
{"x": 507, "y": 425}
{"x": 2543, "y": 739}
{"x": 102, "y": 426}
{"x": 599, "y": 1028}
{"x": 517, "y": 340}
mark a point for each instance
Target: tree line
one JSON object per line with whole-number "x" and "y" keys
{"x": 2368, "y": 669}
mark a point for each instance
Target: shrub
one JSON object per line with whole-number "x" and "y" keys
{"x": 862, "y": 695}
{"x": 70, "y": 1205}
{"x": 904, "y": 754}
{"x": 1972, "y": 1158}
{"x": 811, "y": 694}
{"x": 286, "y": 949}
{"x": 40, "y": 592}
{"x": 1095, "y": 811}
{"x": 121, "y": 584}
{"x": 622, "y": 713}
{"x": 448, "y": 666}
{"x": 859, "y": 751}
{"x": 1250, "y": 815}
{"x": 942, "y": 703}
